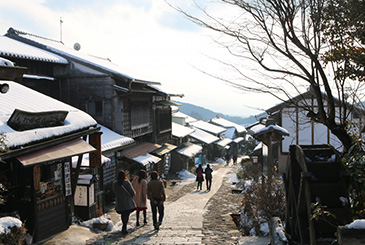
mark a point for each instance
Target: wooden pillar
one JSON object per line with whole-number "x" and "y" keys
{"x": 95, "y": 157}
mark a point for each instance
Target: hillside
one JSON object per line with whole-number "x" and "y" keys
{"x": 201, "y": 113}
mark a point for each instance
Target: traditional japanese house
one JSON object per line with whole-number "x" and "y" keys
{"x": 302, "y": 130}
{"x": 181, "y": 118}
{"x": 237, "y": 133}
{"x": 207, "y": 142}
{"x": 39, "y": 137}
{"x": 180, "y": 133}
{"x": 140, "y": 157}
{"x": 128, "y": 106}
{"x": 95, "y": 183}
{"x": 183, "y": 157}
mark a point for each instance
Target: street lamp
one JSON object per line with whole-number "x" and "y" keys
{"x": 4, "y": 88}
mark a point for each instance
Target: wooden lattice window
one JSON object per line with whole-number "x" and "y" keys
{"x": 140, "y": 115}
{"x": 164, "y": 120}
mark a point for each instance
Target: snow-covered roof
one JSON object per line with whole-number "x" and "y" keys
{"x": 181, "y": 131}
{"x": 26, "y": 99}
{"x": 146, "y": 159}
{"x": 229, "y": 133}
{"x": 174, "y": 109}
{"x": 208, "y": 127}
{"x": 179, "y": 114}
{"x": 161, "y": 89}
{"x": 258, "y": 146}
{"x": 224, "y": 142}
{"x": 256, "y": 128}
{"x": 227, "y": 124}
{"x": 238, "y": 139}
{"x": 85, "y": 162}
{"x": 36, "y": 77}
{"x": 203, "y": 136}
{"x": 12, "y": 48}
{"x": 272, "y": 128}
{"x": 111, "y": 139}
{"x": 59, "y": 48}
{"x": 188, "y": 119}
{"x": 190, "y": 150}
{"x": 248, "y": 137}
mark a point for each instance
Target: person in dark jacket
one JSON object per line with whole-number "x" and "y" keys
{"x": 199, "y": 176}
{"x": 208, "y": 176}
{"x": 156, "y": 195}
{"x": 124, "y": 194}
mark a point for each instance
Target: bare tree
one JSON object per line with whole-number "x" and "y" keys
{"x": 285, "y": 38}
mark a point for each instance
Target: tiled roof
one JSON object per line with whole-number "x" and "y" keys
{"x": 12, "y": 48}
{"x": 203, "y": 136}
{"x": 208, "y": 127}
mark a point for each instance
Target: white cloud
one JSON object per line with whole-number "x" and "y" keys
{"x": 139, "y": 37}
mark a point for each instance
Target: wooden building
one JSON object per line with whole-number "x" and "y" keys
{"x": 128, "y": 106}
{"x": 40, "y": 135}
{"x": 302, "y": 130}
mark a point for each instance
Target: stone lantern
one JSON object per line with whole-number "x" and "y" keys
{"x": 271, "y": 133}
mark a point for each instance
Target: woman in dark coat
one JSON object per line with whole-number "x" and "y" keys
{"x": 199, "y": 176}
{"x": 124, "y": 194}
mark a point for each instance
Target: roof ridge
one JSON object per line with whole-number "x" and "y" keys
{"x": 18, "y": 32}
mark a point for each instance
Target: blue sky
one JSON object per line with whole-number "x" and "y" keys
{"x": 147, "y": 38}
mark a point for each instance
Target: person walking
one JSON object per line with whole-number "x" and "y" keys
{"x": 157, "y": 197}
{"x": 208, "y": 176}
{"x": 139, "y": 184}
{"x": 228, "y": 157}
{"x": 234, "y": 158}
{"x": 199, "y": 176}
{"x": 124, "y": 194}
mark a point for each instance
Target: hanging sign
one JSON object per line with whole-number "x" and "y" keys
{"x": 68, "y": 190}
{"x": 25, "y": 120}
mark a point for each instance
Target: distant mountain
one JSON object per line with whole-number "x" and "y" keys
{"x": 201, "y": 113}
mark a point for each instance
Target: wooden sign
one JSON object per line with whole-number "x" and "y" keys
{"x": 36, "y": 176}
{"x": 95, "y": 157}
{"x": 67, "y": 172}
{"x": 24, "y": 120}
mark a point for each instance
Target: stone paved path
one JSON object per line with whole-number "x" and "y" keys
{"x": 191, "y": 217}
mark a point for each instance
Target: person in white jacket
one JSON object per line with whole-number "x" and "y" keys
{"x": 139, "y": 184}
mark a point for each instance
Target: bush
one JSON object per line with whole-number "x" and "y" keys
{"x": 249, "y": 171}
{"x": 16, "y": 236}
{"x": 261, "y": 201}
{"x": 355, "y": 165}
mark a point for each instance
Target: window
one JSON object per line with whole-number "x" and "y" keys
{"x": 140, "y": 115}
{"x": 164, "y": 120}
{"x": 95, "y": 108}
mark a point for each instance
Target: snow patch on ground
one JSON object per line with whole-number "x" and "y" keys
{"x": 105, "y": 219}
{"x": 185, "y": 175}
{"x": 232, "y": 178}
{"x": 220, "y": 160}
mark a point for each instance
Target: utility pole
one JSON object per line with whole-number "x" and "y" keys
{"x": 61, "y": 21}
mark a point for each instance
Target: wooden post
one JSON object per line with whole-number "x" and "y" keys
{"x": 277, "y": 232}
{"x": 95, "y": 157}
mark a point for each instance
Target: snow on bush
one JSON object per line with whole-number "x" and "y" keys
{"x": 7, "y": 222}
{"x": 357, "y": 224}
